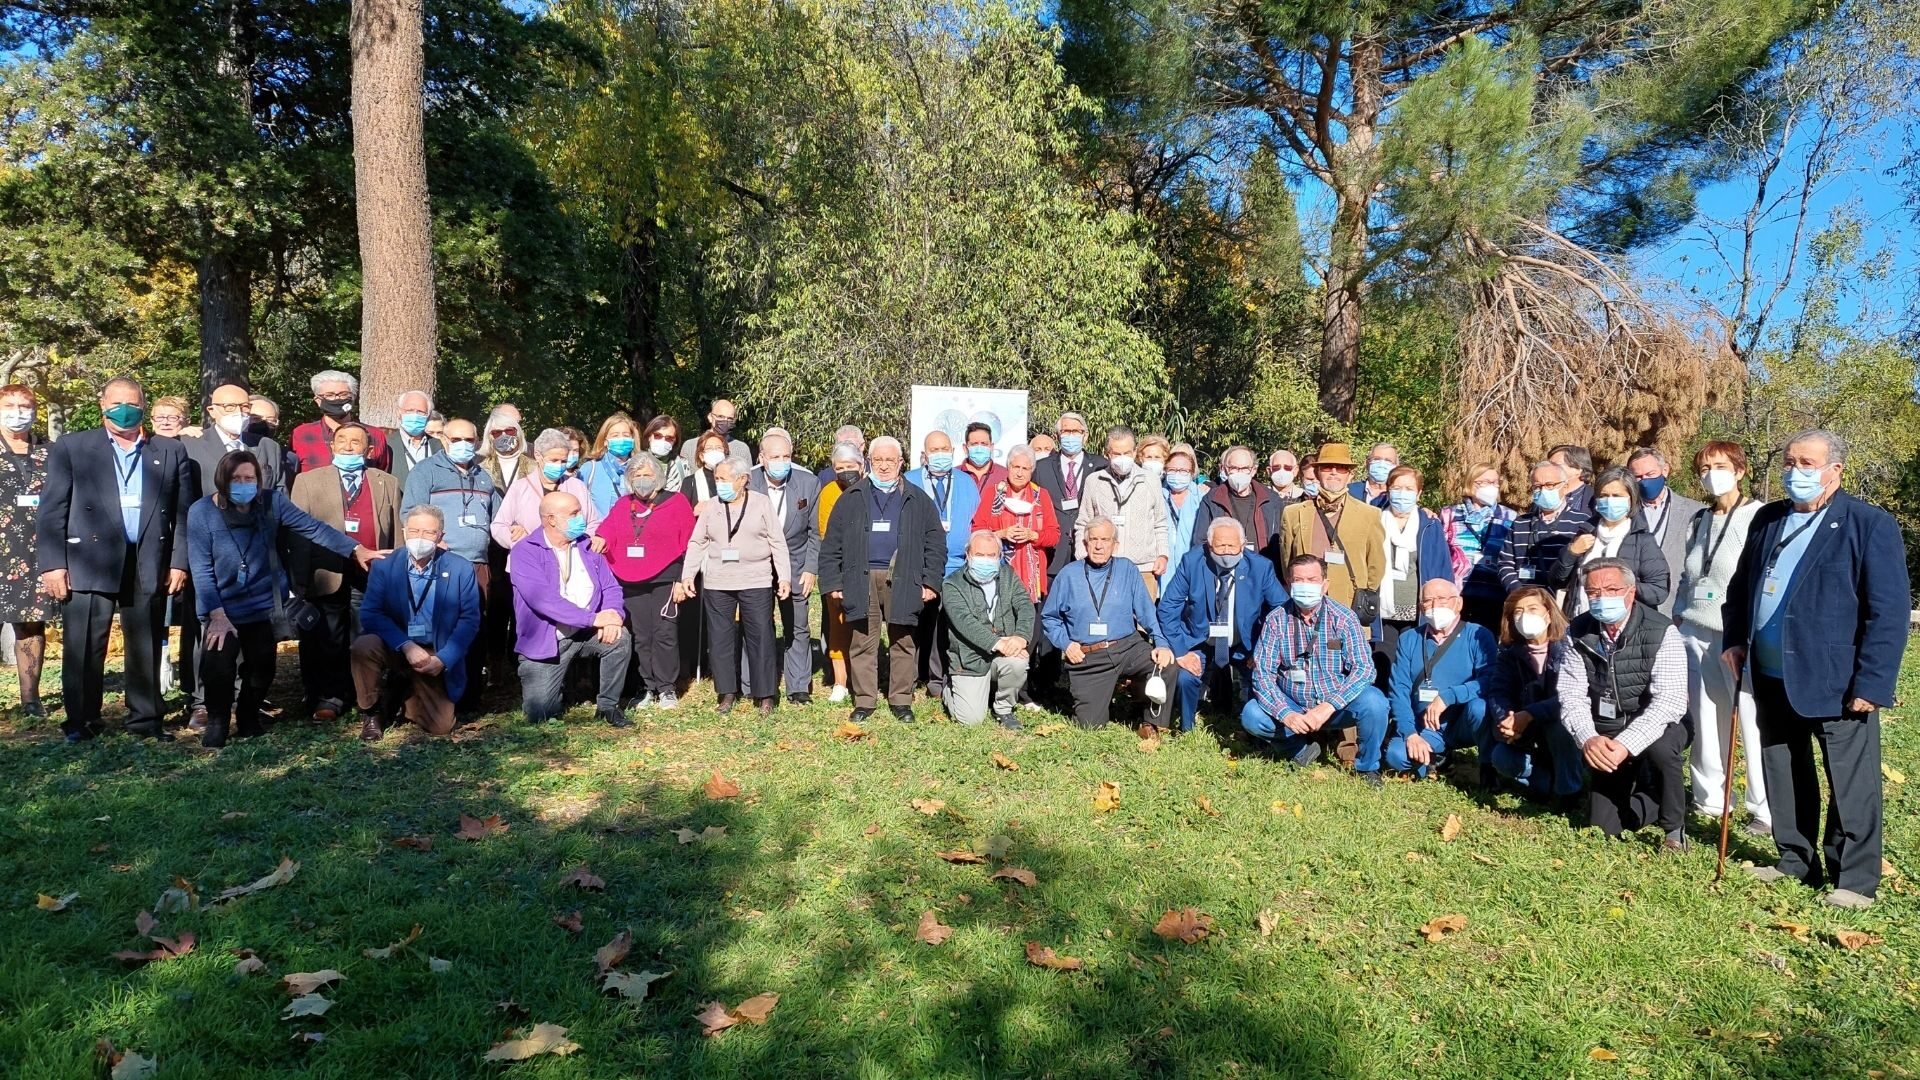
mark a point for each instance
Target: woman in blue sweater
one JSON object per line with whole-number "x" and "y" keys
{"x": 233, "y": 547}
{"x": 1523, "y": 738}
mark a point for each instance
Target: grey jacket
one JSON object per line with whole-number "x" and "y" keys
{"x": 803, "y": 519}
{"x": 1670, "y": 530}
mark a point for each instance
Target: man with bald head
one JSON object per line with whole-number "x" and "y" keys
{"x": 956, "y": 497}
{"x": 722, "y": 417}
{"x": 1438, "y": 683}
{"x": 991, "y": 643}
{"x": 566, "y": 604}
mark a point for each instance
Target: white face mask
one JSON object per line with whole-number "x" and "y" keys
{"x": 1531, "y": 624}
{"x": 1719, "y": 481}
{"x": 1282, "y": 477}
{"x": 232, "y": 424}
{"x": 1487, "y": 494}
{"x": 420, "y": 548}
{"x": 712, "y": 458}
{"x": 1441, "y": 618}
{"x": 1240, "y": 480}
{"x": 1121, "y": 464}
{"x": 16, "y": 420}
{"x": 660, "y": 447}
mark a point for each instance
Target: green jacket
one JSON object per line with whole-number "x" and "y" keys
{"x": 974, "y": 628}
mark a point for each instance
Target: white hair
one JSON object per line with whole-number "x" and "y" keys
{"x": 1230, "y": 523}
{"x": 399, "y": 403}
{"x": 846, "y": 451}
{"x": 887, "y": 440}
{"x": 439, "y": 516}
{"x": 551, "y": 439}
{"x": 1022, "y": 450}
{"x": 776, "y": 433}
{"x": 332, "y": 376}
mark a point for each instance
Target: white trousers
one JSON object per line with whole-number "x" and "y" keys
{"x": 1711, "y": 703}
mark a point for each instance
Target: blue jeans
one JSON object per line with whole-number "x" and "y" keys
{"x": 1544, "y": 763}
{"x": 1191, "y": 686}
{"x": 1460, "y": 725}
{"x": 1368, "y": 712}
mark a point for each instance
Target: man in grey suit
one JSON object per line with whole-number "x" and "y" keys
{"x": 1665, "y": 512}
{"x": 795, "y": 495}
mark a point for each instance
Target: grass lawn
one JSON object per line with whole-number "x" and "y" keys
{"x": 1579, "y": 957}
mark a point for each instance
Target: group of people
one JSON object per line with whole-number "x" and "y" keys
{"x": 1579, "y": 646}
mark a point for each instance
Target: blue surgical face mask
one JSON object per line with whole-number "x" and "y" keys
{"x": 1612, "y": 508}
{"x": 979, "y": 455}
{"x": 1546, "y": 500}
{"x": 576, "y": 527}
{"x": 940, "y": 462}
{"x": 724, "y": 490}
{"x": 1178, "y": 481}
{"x": 780, "y": 470}
{"x": 1402, "y": 500}
{"x": 1379, "y": 469}
{"x": 1609, "y": 609}
{"x": 1803, "y": 485}
{"x": 1306, "y": 594}
{"x": 1071, "y": 442}
{"x": 883, "y": 485}
{"x": 620, "y": 446}
{"x": 573, "y": 458}
{"x": 554, "y": 471}
{"x": 1312, "y": 488}
{"x": 242, "y": 494}
{"x": 982, "y": 568}
{"x": 349, "y": 462}
{"x": 460, "y": 453}
{"x": 414, "y": 423}
{"x": 1652, "y": 487}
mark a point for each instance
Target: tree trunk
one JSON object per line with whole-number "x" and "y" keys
{"x": 226, "y": 322}
{"x": 1355, "y": 166}
{"x": 642, "y": 302}
{"x": 397, "y": 324}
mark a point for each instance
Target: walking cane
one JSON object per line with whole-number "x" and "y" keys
{"x": 1726, "y": 796}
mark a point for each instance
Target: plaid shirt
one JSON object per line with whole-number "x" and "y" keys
{"x": 312, "y": 446}
{"x": 1330, "y": 646}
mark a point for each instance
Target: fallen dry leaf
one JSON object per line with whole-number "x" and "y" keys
{"x": 631, "y": 986}
{"x": 871, "y": 830}
{"x": 1893, "y": 775}
{"x": 133, "y": 1066}
{"x": 1450, "y": 828}
{"x": 931, "y": 930}
{"x": 1440, "y": 926}
{"x": 1206, "y": 805}
{"x": 928, "y": 807}
{"x": 608, "y": 956}
{"x": 417, "y": 843}
{"x": 1185, "y": 924}
{"x": 280, "y": 876}
{"x": 962, "y": 856}
{"x": 1005, "y": 762}
{"x": 169, "y": 949}
{"x": 998, "y": 845}
{"x": 711, "y": 832}
{"x": 570, "y": 922}
{"x": 1855, "y": 939}
{"x": 437, "y": 965}
{"x": 55, "y": 903}
{"x": 719, "y": 787}
{"x": 1040, "y": 956}
{"x": 249, "y": 962}
{"x": 1106, "y": 797}
{"x": 306, "y": 982}
{"x": 180, "y": 896}
{"x": 585, "y": 879}
{"x": 1266, "y": 921}
{"x": 1045, "y": 730}
{"x": 387, "y": 953}
{"x": 233, "y": 815}
{"x": 1801, "y": 931}
{"x": 306, "y": 1005}
{"x": 1601, "y": 1053}
{"x": 99, "y": 849}
{"x": 543, "y": 1039}
{"x": 1479, "y": 858}
{"x": 849, "y": 731}
{"x": 144, "y": 923}
{"x": 473, "y": 828}
{"x": 1148, "y": 745}
{"x": 1015, "y": 873}
{"x": 757, "y": 1008}
{"x": 715, "y": 1017}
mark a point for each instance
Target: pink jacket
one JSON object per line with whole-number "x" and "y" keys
{"x": 522, "y": 507}
{"x": 660, "y": 533}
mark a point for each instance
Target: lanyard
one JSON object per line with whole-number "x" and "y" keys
{"x": 726, "y": 511}
{"x": 882, "y": 501}
{"x": 637, "y": 519}
{"x": 420, "y": 598}
{"x": 1713, "y": 546}
{"x": 467, "y": 491}
{"x": 133, "y": 466}
{"x": 943, "y": 494}
{"x": 1314, "y": 632}
{"x": 253, "y": 533}
{"x": 1434, "y": 655}
{"x": 1658, "y": 528}
{"x": 1099, "y": 601}
{"x": 1785, "y": 540}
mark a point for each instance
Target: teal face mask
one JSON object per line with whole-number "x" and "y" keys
{"x": 125, "y": 414}
{"x": 576, "y": 527}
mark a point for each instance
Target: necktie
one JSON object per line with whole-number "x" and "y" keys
{"x": 352, "y": 481}
{"x": 940, "y": 488}
{"x": 1222, "y": 602}
{"x": 1073, "y": 480}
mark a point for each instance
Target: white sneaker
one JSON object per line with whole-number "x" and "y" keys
{"x": 839, "y": 695}
{"x": 667, "y": 700}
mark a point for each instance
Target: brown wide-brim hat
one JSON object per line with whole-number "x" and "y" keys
{"x": 1335, "y": 453}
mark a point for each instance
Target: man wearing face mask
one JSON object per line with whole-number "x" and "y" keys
{"x": 1816, "y": 621}
{"x": 1283, "y": 470}
{"x": 1540, "y": 535}
{"x": 1126, "y": 495}
{"x": 422, "y": 617}
{"x": 567, "y": 604}
{"x": 979, "y": 463}
{"x": 1343, "y": 531}
{"x": 1664, "y": 512}
{"x": 1212, "y": 610}
{"x": 1065, "y": 476}
{"x": 722, "y": 417}
{"x": 1437, "y": 686}
{"x": 454, "y": 482}
{"x": 1101, "y": 618}
{"x": 957, "y": 499}
{"x": 793, "y": 495}
{"x": 1623, "y": 697}
{"x": 882, "y": 559}
{"x": 264, "y": 423}
{"x": 992, "y": 619}
{"x": 312, "y": 443}
{"x": 1313, "y": 674}
{"x": 364, "y": 503}
{"x": 1255, "y": 506}
{"x": 410, "y": 442}
{"x": 1371, "y": 488}
{"x": 1578, "y": 462}
{"x": 109, "y": 537}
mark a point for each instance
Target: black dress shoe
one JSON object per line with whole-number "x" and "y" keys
{"x": 727, "y": 702}
{"x": 802, "y": 698}
{"x": 77, "y": 736}
{"x": 615, "y": 718}
{"x": 860, "y": 715}
{"x": 1009, "y": 721}
{"x": 150, "y": 729}
{"x": 903, "y": 713}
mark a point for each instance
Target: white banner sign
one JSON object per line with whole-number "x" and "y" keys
{"x": 952, "y": 408}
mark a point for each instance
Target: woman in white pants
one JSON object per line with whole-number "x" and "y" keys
{"x": 1714, "y": 540}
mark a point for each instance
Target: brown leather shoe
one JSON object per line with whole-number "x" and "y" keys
{"x": 370, "y": 729}
{"x": 1147, "y": 731}
{"x": 765, "y": 705}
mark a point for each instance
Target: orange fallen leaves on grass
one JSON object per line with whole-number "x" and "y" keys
{"x": 280, "y": 876}
{"x": 715, "y": 1017}
{"x": 1106, "y": 797}
{"x": 1015, "y": 873}
{"x": 962, "y": 856}
{"x": 1440, "y": 926}
{"x": 608, "y": 956}
{"x": 570, "y": 922}
{"x": 928, "y": 807}
{"x": 417, "y": 843}
{"x": 850, "y": 731}
{"x": 1184, "y": 924}
{"x": 1450, "y": 828}
{"x": 1041, "y": 956}
{"x": 55, "y": 903}
{"x": 1005, "y": 762}
{"x": 167, "y": 949}
{"x": 542, "y": 1039}
{"x": 1206, "y": 805}
{"x": 301, "y": 983}
{"x": 413, "y": 935}
{"x": 1855, "y": 939}
{"x": 584, "y": 879}
{"x": 473, "y": 828}
{"x": 719, "y": 787}
{"x": 931, "y": 931}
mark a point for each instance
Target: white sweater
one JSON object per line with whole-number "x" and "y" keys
{"x": 1707, "y": 528}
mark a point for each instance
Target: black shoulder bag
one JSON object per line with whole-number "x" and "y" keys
{"x": 1366, "y": 602}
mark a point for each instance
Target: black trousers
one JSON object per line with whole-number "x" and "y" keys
{"x": 754, "y": 608}
{"x": 930, "y": 636}
{"x": 496, "y": 625}
{"x": 326, "y": 651}
{"x": 1094, "y": 679}
{"x": 1648, "y": 788}
{"x": 656, "y": 637}
{"x": 250, "y": 655}
{"x": 1850, "y": 747}
{"x": 87, "y": 617}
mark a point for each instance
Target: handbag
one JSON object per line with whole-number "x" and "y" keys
{"x": 1366, "y": 602}
{"x": 292, "y": 615}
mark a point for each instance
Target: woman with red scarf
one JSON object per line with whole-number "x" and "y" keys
{"x": 1019, "y": 512}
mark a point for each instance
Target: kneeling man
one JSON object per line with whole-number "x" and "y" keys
{"x": 421, "y": 615}
{"x": 1439, "y": 670}
{"x": 990, "y": 619}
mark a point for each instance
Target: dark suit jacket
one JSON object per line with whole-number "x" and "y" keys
{"x": 387, "y": 607}
{"x": 1189, "y": 602}
{"x": 920, "y": 561}
{"x": 80, "y": 528}
{"x": 1846, "y": 610}
{"x": 803, "y": 520}
{"x": 318, "y": 492}
{"x": 397, "y": 442}
{"x": 1048, "y": 475}
{"x": 206, "y": 449}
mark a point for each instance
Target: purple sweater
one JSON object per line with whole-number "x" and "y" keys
{"x": 540, "y": 613}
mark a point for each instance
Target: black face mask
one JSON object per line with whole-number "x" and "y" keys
{"x": 848, "y": 477}
{"x": 336, "y": 409}
{"x": 260, "y": 428}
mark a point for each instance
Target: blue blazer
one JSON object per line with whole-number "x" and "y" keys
{"x": 1187, "y": 602}
{"x": 79, "y": 523}
{"x": 1846, "y": 610}
{"x": 388, "y": 603}
{"x": 964, "y": 500}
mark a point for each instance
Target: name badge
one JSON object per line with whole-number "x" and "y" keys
{"x": 1297, "y": 674}
{"x": 1336, "y": 558}
{"x": 1428, "y": 695}
{"x": 1607, "y": 710}
{"x": 469, "y": 521}
{"x": 1705, "y": 593}
{"x": 1069, "y": 504}
{"x": 26, "y": 500}
{"x": 729, "y": 554}
{"x": 1526, "y": 573}
{"x": 1773, "y": 584}
{"x": 1219, "y": 630}
{"x": 636, "y": 553}
{"x": 883, "y": 526}
{"x": 1098, "y": 629}
{"x": 129, "y": 502}
{"x": 350, "y": 525}
{"x": 420, "y": 632}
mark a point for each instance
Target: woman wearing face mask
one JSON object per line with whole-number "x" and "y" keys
{"x": 1714, "y": 539}
{"x": 1416, "y": 552}
{"x": 1153, "y": 453}
{"x": 647, "y": 530}
{"x": 1615, "y": 532}
{"x": 1523, "y": 739}
{"x": 604, "y": 472}
{"x": 234, "y": 537}
{"x": 577, "y": 446}
{"x": 1020, "y": 514}
{"x": 709, "y": 450}
{"x": 659, "y": 439}
{"x": 1477, "y": 528}
{"x": 847, "y": 467}
{"x": 519, "y": 512}
{"x": 1185, "y": 493}
{"x": 739, "y": 551}
{"x": 23, "y": 472}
